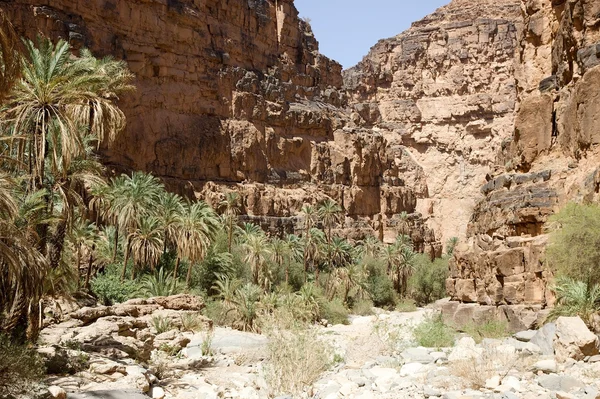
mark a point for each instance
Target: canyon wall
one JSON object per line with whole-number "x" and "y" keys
{"x": 234, "y": 95}
{"x": 552, "y": 157}
{"x": 478, "y": 122}
{"x": 445, "y": 92}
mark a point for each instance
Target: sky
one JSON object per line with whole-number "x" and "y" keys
{"x": 347, "y": 29}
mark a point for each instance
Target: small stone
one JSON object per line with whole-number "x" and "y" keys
{"x": 546, "y": 366}
{"x": 525, "y": 336}
{"x": 157, "y": 393}
{"x": 493, "y": 382}
{"x": 513, "y": 383}
{"x": 594, "y": 359}
{"x": 430, "y": 391}
{"x": 417, "y": 355}
{"x": 57, "y": 392}
{"x": 411, "y": 369}
{"x": 553, "y": 382}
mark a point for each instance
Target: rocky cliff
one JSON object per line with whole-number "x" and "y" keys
{"x": 550, "y": 159}
{"x": 478, "y": 122}
{"x": 444, "y": 91}
{"x": 234, "y": 95}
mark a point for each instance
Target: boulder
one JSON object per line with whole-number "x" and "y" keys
{"x": 57, "y": 392}
{"x": 574, "y": 340}
{"x": 544, "y": 339}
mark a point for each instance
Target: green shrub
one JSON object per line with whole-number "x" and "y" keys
{"x": 379, "y": 286}
{"x": 490, "y": 329}
{"x": 434, "y": 333}
{"x": 218, "y": 313}
{"x": 363, "y": 307}
{"x": 576, "y": 298}
{"x": 406, "y": 306}
{"x": 574, "y": 249}
{"x": 20, "y": 368}
{"x": 191, "y": 322}
{"x": 161, "y": 283}
{"x": 334, "y": 312}
{"x": 161, "y": 324}
{"x": 109, "y": 288}
{"x": 428, "y": 281}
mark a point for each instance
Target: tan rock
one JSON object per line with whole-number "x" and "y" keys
{"x": 574, "y": 340}
{"x": 57, "y": 392}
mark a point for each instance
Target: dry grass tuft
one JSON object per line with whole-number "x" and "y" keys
{"x": 297, "y": 357}
{"x": 484, "y": 363}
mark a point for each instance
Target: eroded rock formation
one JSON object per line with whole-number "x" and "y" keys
{"x": 234, "y": 95}
{"x": 550, "y": 160}
{"x": 445, "y": 92}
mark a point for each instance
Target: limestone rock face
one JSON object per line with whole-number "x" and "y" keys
{"x": 445, "y": 91}
{"x": 234, "y": 95}
{"x": 550, "y": 159}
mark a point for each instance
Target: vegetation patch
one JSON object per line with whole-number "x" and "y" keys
{"x": 434, "y": 333}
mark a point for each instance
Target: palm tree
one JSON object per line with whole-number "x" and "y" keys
{"x": 146, "y": 243}
{"x": 370, "y": 246}
{"x": 67, "y": 192}
{"x": 257, "y": 250}
{"x": 280, "y": 251}
{"x": 197, "y": 226}
{"x": 133, "y": 198}
{"x": 169, "y": 210}
{"x": 404, "y": 267}
{"x": 330, "y": 213}
{"x": 310, "y": 216}
{"x": 22, "y": 267}
{"x": 56, "y": 95}
{"x": 83, "y": 235}
{"x": 340, "y": 252}
{"x": 231, "y": 209}
{"x": 313, "y": 249}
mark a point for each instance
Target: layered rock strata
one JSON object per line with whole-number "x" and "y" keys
{"x": 551, "y": 158}
{"x": 445, "y": 92}
{"x": 234, "y": 95}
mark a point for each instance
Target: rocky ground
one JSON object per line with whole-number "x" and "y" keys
{"x": 116, "y": 352}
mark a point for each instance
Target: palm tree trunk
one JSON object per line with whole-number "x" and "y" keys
{"x": 57, "y": 243}
{"x": 305, "y": 265}
{"x": 230, "y": 234}
{"x": 89, "y": 269}
{"x": 125, "y": 262}
{"x": 176, "y": 267}
{"x": 114, "y": 255}
{"x": 189, "y": 275}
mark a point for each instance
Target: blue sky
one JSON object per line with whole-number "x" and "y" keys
{"x": 347, "y": 29}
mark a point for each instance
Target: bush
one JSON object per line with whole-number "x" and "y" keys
{"x": 379, "y": 286}
{"x": 434, "y": 333}
{"x": 574, "y": 249}
{"x": 576, "y": 298}
{"x": 191, "y": 322}
{"x": 428, "y": 282}
{"x": 489, "y": 329}
{"x": 297, "y": 358}
{"x": 218, "y": 313}
{"x": 160, "y": 284}
{"x": 406, "y": 306}
{"x": 363, "y": 307}
{"x": 334, "y": 312}
{"x": 20, "y": 368}
{"x": 161, "y": 324}
{"x": 109, "y": 289}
